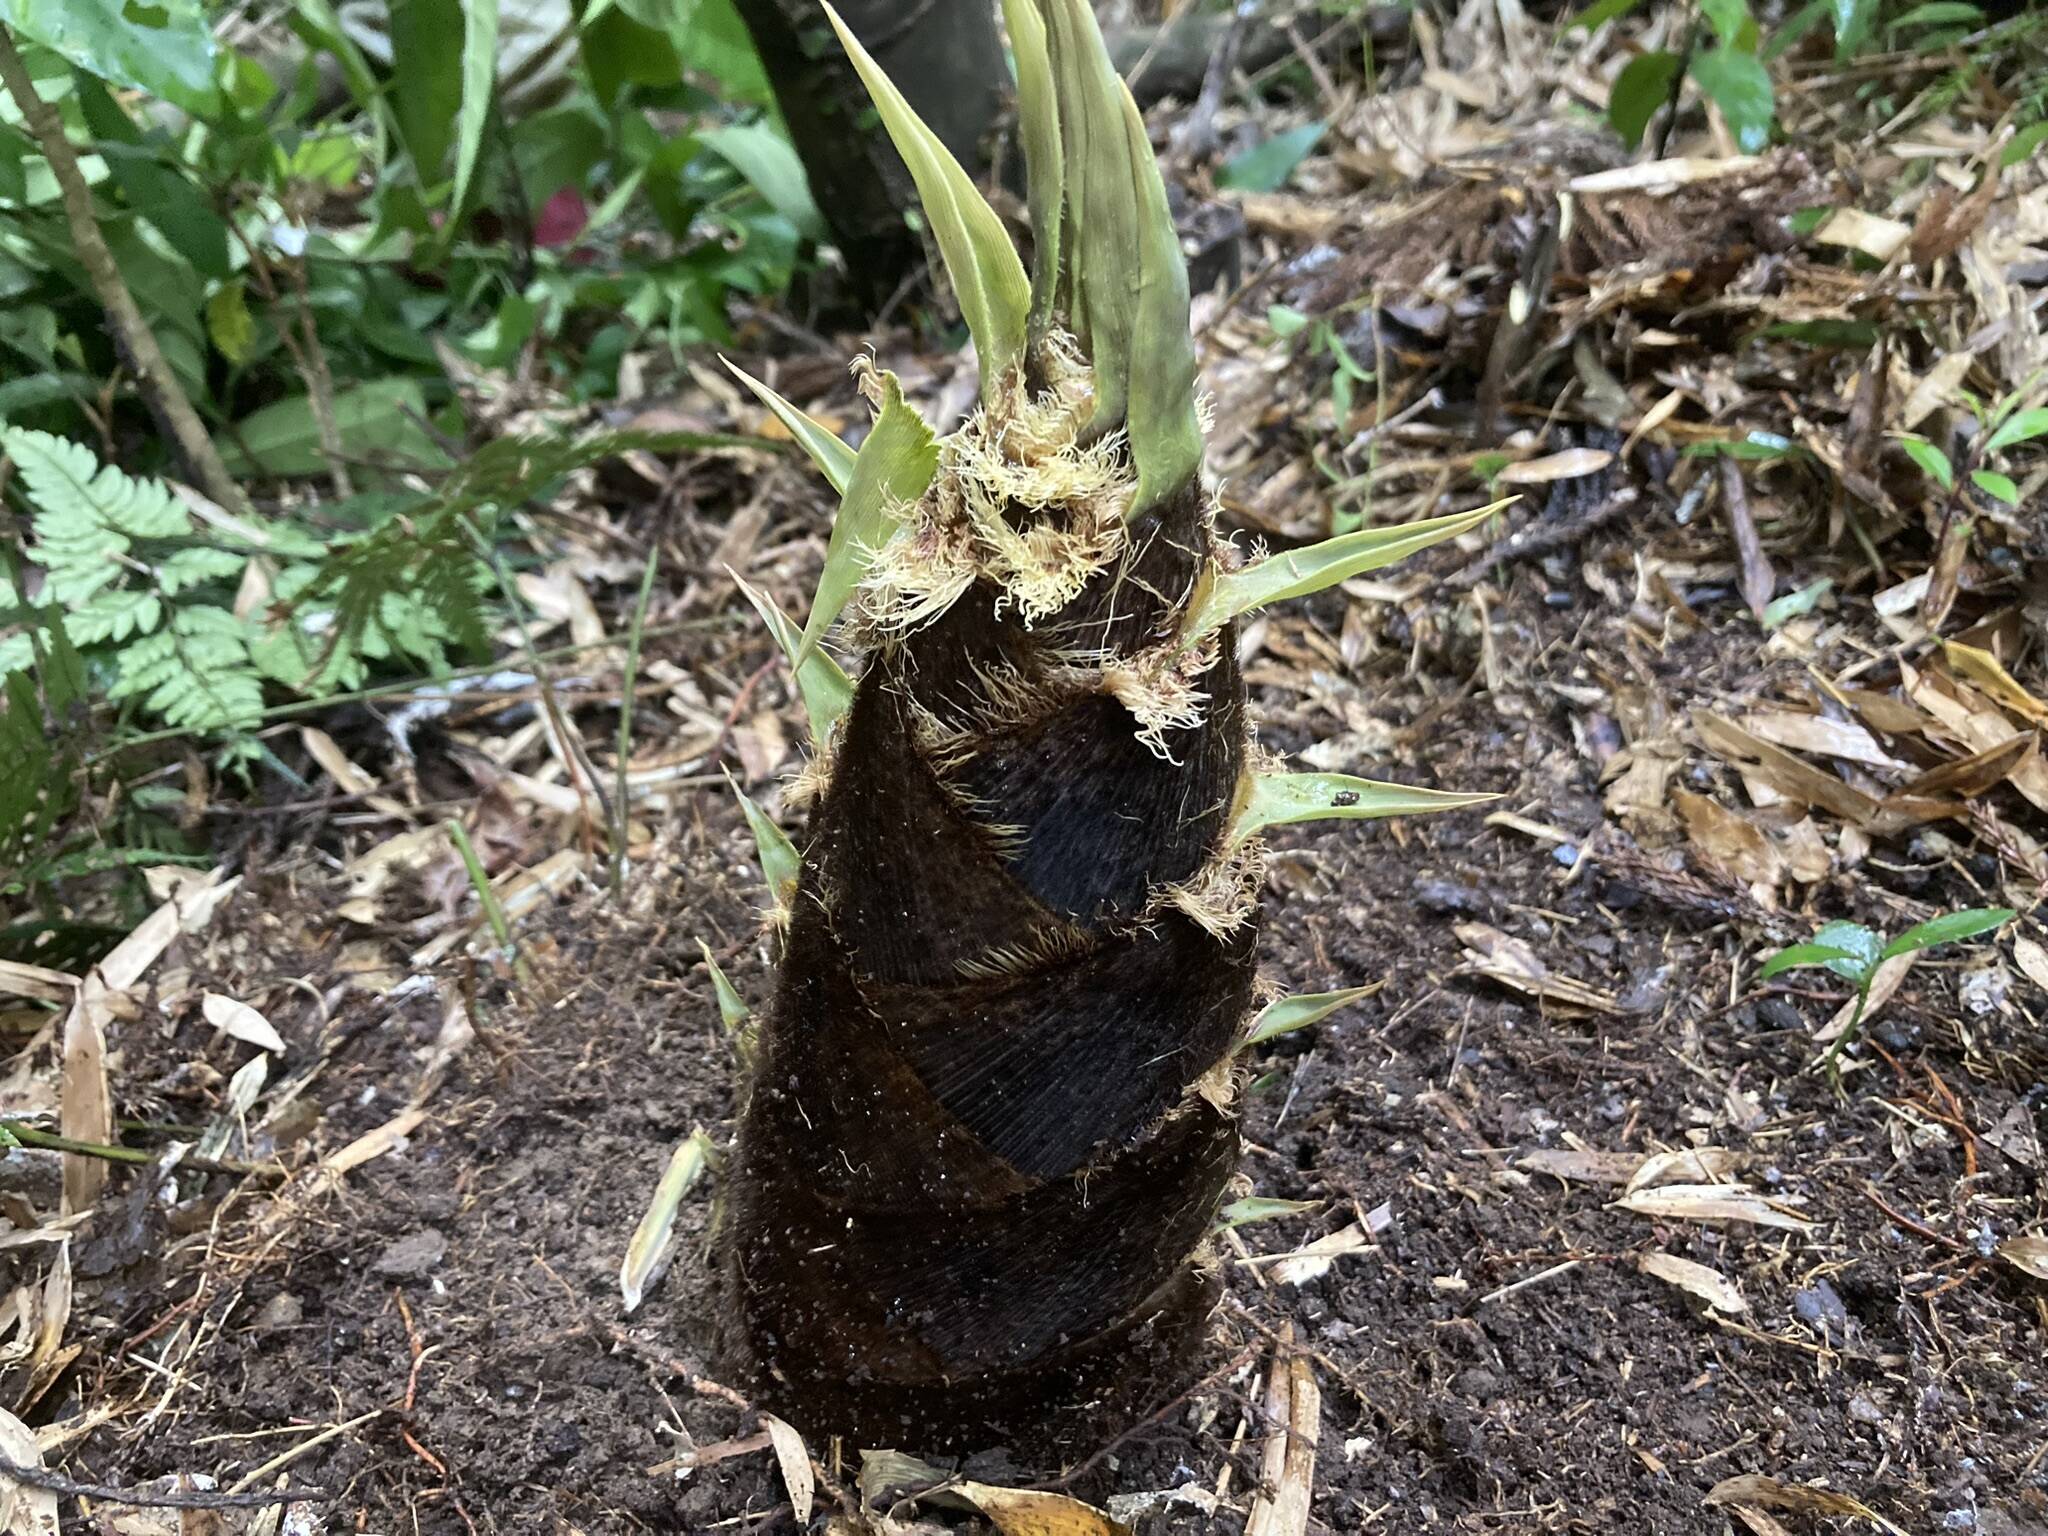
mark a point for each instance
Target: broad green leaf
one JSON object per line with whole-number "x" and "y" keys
{"x": 426, "y": 82}
{"x": 1286, "y": 321}
{"x": 1932, "y": 461}
{"x": 379, "y": 422}
{"x": 711, "y": 39}
{"x": 770, "y": 166}
{"x": 318, "y": 18}
{"x": 827, "y": 691}
{"x": 732, "y": 1008}
{"x": 1991, "y": 483}
{"x": 995, "y": 296}
{"x": 1600, "y": 13}
{"x": 781, "y": 865}
{"x": 165, "y": 48}
{"x": 1731, "y": 21}
{"x": 1266, "y": 166}
{"x": 1947, "y": 929}
{"x": 479, "y": 83}
{"x": 893, "y": 467}
{"x": 1796, "y": 604}
{"x": 1854, "y": 20}
{"x": 1799, "y": 956}
{"x": 1298, "y": 572}
{"x": 647, "y": 1254}
{"x": 1278, "y": 799}
{"x": 1741, "y": 87}
{"x": 1241, "y": 1213}
{"x": 2021, "y": 428}
{"x": 833, "y": 458}
{"x": 174, "y": 203}
{"x": 229, "y": 323}
{"x": 1127, "y": 288}
{"x": 2025, "y": 144}
{"x": 1292, "y": 1013}
{"x": 1643, "y": 86}
{"x": 1038, "y": 119}
{"x": 1940, "y": 13}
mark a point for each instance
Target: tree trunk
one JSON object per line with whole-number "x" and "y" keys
{"x": 948, "y": 58}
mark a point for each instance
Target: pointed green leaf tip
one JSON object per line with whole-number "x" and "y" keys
{"x": 1127, "y": 284}
{"x": 1278, "y": 799}
{"x": 827, "y": 690}
{"x": 1298, "y": 572}
{"x": 994, "y": 294}
{"x": 1038, "y": 119}
{"x": 780, "y": 862}
{"x": 833, "y": 458}
{"x": 1291, "y": 1013}
{"x": 732, "y": 1008}
{"x": 893, "y": 468}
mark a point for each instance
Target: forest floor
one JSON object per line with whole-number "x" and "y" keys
{"x": 1568, "y": 1081}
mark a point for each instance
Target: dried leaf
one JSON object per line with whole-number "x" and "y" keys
{"x": 1503, "y": 958}
{"x": 24, "y": 1511}
{"x": 1852, "y": 229}
{"x": 1753, "y": 1488}
{"x": 1789, "y": 776}
{"x": 1714, "y": 1203}
{"x": 1316, "y": 1259}
{"x": 795, "y": 1462}
{"x": 1698, "y": 1279}
{"x": 1293, "y": 1407}
{"x": 2029, "y": 1254}
{"x": 1730, "y": 842}
{"x": 1570, "y": 464}
{"x": 1023, "y": 1512}
{"x": 1889, "y": 974}
{"x": 1587, "y": 1167}
{"x": 1691, "y": 1165}
{"x": 2032, "y": 959}
{"x": 1821, "y": 736}
{"x": 242, "y": 1022}
{"x": 1988, "y": 673}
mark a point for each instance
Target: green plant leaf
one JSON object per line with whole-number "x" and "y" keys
{"x": 1278, "y": 799}
{"x": 1038, "y": 121}
{"x": 1642, "y": 87}
{"x": 1939, "y": 13}
{"x": 1298, "y": 572}
{"x": 1288, "y": 1014}
{"x": 2023, "y": 427}
{"x": 1732, "y": 23}
{"x": 165, "y": 48}
{"x": 2025, "y": 145}
{"x": 426, "y": 82}
{"x": 1932, "y": 461}
{"x": 769, "y": 164}
{"x": 1127, "y": 282}
{"x": 892, "y": 469}
{"x": 1991, "y": 483}
{"x": 479, "y": 84}
{"x": 781, "y": 864}
{"x": 988, "y": 279}
{"x": 1286, "y": 321}
{"x": 1796, "y": 604}
{"x": 1251, "y": 1208}
{"x": 228, "y": 321}
{"x": 1799, "y": 956}
{"x": 826, "y": 450}
{"x": 1757, "y": 447}
{"x": 732, "y": 1008}
{"x": 827, "y": 691}
{"x": 379, "y": 422}
{"x": 1266, "y": 166}
{"x": 1853, "y": 20}
{"x": 1741, "y": 87}
{"x": 647, "y": 1252}
{"x": 1947, "y": 929}
{"x": 1855, "y": 950}
{"x": 1600, "y": 13}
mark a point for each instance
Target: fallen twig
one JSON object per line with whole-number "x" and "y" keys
{"x": 137, "y": 1498}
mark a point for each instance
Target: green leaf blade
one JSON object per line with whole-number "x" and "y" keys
{"x": 2000, "y": 487}
{"x": 479, "y": 84}
{"x": 781, "y": 864}
{"x": 1799, "y": 956}
{"x": 1643, "y": 86}
{"x": 166, "y": 49}
{"x": 1288, "y": 1014}
{"x": 1296, "y": 573}
{"x": 989, "y": 280}
{"x": 834, "y": 459}
{"x": 1949, "y": 928}
{"x": 1281, "y": 799}
{"x": 827, "y": 691}
{"x": 2022, "y": 427}
{"x": 894, "y": 466}
{"x": 1932, "y": 461}
{"x": 1740, "y": 86}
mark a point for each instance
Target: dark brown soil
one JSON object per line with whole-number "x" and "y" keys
{"x": 463, "y": 1289}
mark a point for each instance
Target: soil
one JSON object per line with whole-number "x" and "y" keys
{"x": 1494, "y": 1361}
